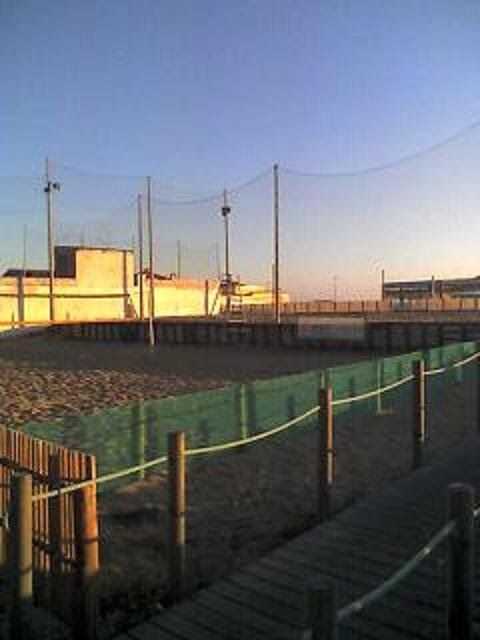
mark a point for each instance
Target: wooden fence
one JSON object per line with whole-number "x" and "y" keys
{"x": 57, "y": 527}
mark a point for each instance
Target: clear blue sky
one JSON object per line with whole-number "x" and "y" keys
{"x": 205, "y": 93}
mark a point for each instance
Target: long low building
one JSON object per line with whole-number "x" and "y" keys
{"x": 431, "y": 288}
{"x": 93, "y": 283}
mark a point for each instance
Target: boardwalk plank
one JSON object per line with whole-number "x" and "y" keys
{"x": 148, "y": 631}
{"x": 216, "y": 623}
{"x": 259, "y": 622}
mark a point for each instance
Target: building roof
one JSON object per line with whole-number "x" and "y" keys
{"x": 28, "y": 273}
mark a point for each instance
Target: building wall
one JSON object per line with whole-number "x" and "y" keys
{"x": 180, "y": 297}
{"x": 103, "y": 288}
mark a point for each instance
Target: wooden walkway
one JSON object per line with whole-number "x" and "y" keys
{"x": 358, "y": 549}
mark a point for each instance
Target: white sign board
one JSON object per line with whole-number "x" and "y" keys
{"x": 336, "y": 328}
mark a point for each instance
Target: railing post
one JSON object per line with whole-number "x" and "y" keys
{"x": 322, "y": 609}
{"x": 461, "y": 563}
{"x": 326, "y": 463}
{"x": 21, "y": 584}
{"x": 87, "y": 559}
{"x": 419, "y": 422}
{"x": 176, "y": 514}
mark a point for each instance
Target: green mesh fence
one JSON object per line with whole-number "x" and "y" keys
{"x": 132, "y": 435}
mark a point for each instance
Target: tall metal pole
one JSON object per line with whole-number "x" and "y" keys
{"x": 276, "y": 244}
{"x": 225, "y": 215}
{"x": 383, "y": 284}
{"x": 151, "y": 306}
{"x": 50, "y": 238}
{"x": 217, "y": 261}
{"x": 140, "y": 253}
{"x": 25, "y": 242}
{"x": 179, "y": 259}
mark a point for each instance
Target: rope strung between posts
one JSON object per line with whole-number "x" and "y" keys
{"x": 461, "y": 363}
{"x": 259, "y": 436}
{"x": 109, "y": 477}
{"x": 404, "y": 571}
{"x": 116, "y": 475}
{"x": 390, "y": 583}
{"x": 372, "y": 394}
{"x": 217, "y": 448}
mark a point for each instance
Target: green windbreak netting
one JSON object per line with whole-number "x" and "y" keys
{"x": 132, "y": 435}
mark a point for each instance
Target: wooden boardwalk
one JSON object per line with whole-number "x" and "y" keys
{"x": 358, "y": 549}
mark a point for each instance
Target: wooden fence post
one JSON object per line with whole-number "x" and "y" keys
{"x": 87, "y": 562}
{"x": 242, "y": 414}
{"x": 461, "y": 563}
{"x": 380, "y": 371}
{"x": 176, "y": 514}
{"x": 139, "y": 437}
{"x": 21, "y": 560}
{"x": 419, "y": 422}
{"x": 326, "y": 463}
{"x": 478, "y": 392}
{"x": 322, "y": 609}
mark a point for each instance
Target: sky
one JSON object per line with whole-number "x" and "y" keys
{"x": 206, "y": 94}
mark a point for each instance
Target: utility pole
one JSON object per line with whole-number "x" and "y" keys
{"x": 140, "y": 253}
{"x": 151, "y": 306}
{"x": 225, "y": 214}
{"x": 217, "y": 261}
{"x": 24, "y": 258}
{"x": 383, "y": 284}
{"x": 179, "y": 259}
{"x": 334, "y": 288}
{"x": 50, "y": 187}
{"x": 276, "y": 243}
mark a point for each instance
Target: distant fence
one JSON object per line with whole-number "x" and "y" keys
{"x": 383, "y": 336}
{"x": 427, "y": 304}
{"x": 42, "y": 545}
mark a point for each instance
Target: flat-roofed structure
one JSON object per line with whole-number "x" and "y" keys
{"x": 432, "y": 288}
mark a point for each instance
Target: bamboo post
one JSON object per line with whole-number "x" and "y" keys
{"x": 419, "y": 422}
{"x": 176, "y": 514}
{"x": 461, "y": 563}
{"x": 21, "y": 583}
{"x": 3, "y": 501}
{"x": 326, "y": 466}
{"x": 54, "y": 529}
{"x": 322, "y": 609}
{"x": 87, "y": 562}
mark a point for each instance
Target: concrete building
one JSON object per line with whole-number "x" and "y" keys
{"x": 432, "y": 288}
{"x": 101, "y": 283}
